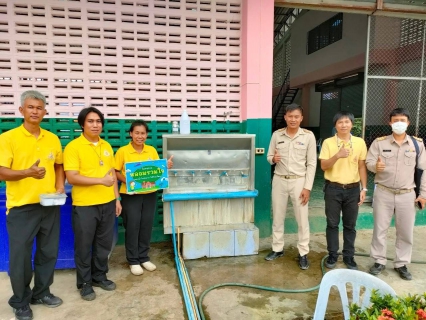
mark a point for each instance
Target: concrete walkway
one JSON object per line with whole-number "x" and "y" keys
{"x": 156, "y": 295}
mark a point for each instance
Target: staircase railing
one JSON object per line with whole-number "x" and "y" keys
{"x": 280, "y": 98}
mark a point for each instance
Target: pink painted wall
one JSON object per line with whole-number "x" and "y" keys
{"x": 257, "y": 59}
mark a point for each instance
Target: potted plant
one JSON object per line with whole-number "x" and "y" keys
{"x": 387, "y": 307}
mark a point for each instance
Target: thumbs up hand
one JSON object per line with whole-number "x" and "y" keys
{"x": 277, "y": 157}
{"x": 108, "y": 180}
{"x": 343, "y": 152}
{"x": 380, "y": 165}
{"x": 170, "y": 163}
{"x": 36, "y": 172}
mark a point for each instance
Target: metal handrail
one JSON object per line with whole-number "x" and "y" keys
{"x": 286, "y": 81}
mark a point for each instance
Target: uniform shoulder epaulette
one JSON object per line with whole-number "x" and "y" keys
{"x": 307, "y": 131}
{"x": 418, "y": 139}
{"x": 381, "y": 138}
{"x": 281, "y": 130}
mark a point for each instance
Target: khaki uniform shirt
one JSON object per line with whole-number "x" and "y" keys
{"x": 400, "y": 161}
{"x": 298, "y": 154}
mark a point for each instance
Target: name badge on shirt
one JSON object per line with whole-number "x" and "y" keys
{"x": 386, "y": 150}
{"x": 280, "y": 142}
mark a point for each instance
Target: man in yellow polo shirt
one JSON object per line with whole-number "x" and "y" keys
{"x": 89, "y": 167}
{"x": 31, "y": 164}
{"x": 343, "y": 161}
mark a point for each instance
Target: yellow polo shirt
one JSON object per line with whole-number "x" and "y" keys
{"x": 19, "y": 150}
{"x": 345, "y": 170}
{"x": 83, "y": 156}
{"x": 129, "y": 154}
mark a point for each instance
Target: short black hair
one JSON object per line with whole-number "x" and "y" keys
{"x": 292, "y": 107}
{"x": 343, "y": 114}
{"x": 399, "y": 112}
{"x": 138, "y": 123}
{"x": 84, "y": 112}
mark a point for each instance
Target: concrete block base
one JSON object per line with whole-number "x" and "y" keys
{"x": 220, "y": 243}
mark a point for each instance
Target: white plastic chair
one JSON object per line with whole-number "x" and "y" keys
{"x": 358, "y": 279}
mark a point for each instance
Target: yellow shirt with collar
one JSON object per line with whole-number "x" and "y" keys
{"x": 345, "y": 170}
{"x": 20, "y": 150}
{"x": 129, "y": 154}
{"x": 83, "y": 156}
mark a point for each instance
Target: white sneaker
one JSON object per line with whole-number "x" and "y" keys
{"x": 149, "y": 266}
{"x": 136, "y": 269}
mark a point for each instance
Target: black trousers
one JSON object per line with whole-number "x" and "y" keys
{"x": 138, "y": 218}
{"x": 93, "y": 235}
{"x": 24, "y": 224}
{"x": 346, "y": 201}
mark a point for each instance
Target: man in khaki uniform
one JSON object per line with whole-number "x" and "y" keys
{"x": 393, "y": 159}
{"x": 293, "y": 150}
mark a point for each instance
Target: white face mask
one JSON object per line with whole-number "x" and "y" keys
{"x": 399, "y": 127}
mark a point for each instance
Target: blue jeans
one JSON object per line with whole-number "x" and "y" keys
{"x": 345, "y": 201}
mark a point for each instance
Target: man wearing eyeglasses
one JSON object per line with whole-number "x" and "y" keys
{"x": 343, "y": 162}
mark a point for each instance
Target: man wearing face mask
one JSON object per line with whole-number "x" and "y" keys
{"x": 393, "y": 159}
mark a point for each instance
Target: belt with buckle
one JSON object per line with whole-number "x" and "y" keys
{"x": 343, "y": 186}
{"x": 287, "y": 176}
{"x": 394, "y": 191}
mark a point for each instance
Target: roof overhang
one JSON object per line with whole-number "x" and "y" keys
{"x": 414, "y": 9}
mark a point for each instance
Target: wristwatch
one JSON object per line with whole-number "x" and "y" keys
{"x": 364, "y": 189}
{"x": 119, "y": 199}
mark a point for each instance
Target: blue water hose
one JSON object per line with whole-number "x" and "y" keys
{"x": 186, "y": 298}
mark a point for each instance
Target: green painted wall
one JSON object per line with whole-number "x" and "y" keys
{"x": 262, "y": 207}
{"x": 116, "y": 133}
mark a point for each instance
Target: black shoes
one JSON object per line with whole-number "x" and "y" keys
{"x": 107, "y": 285}
{"x": 23, "y": 313}
{"x": 273, "y": 255}
{"x": 377, "y": 269}
{"x": 331, "y": 261}
{"x": 86, "y": 292}
{"x": 303, "y": 262}
{"x": 350, "y": 263}
{"x": 49, "y": 301}
{"x": 403, "y": 273}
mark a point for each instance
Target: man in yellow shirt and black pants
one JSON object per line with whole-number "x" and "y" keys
{"x": 343, "y": 161}
{"x": 89, "y": 167}
{"x": 31, "y": 164}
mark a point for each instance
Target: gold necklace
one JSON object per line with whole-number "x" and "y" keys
{"x": 101, "y": 163}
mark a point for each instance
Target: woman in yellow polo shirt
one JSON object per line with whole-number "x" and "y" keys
{"x": 138, "y": 209}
